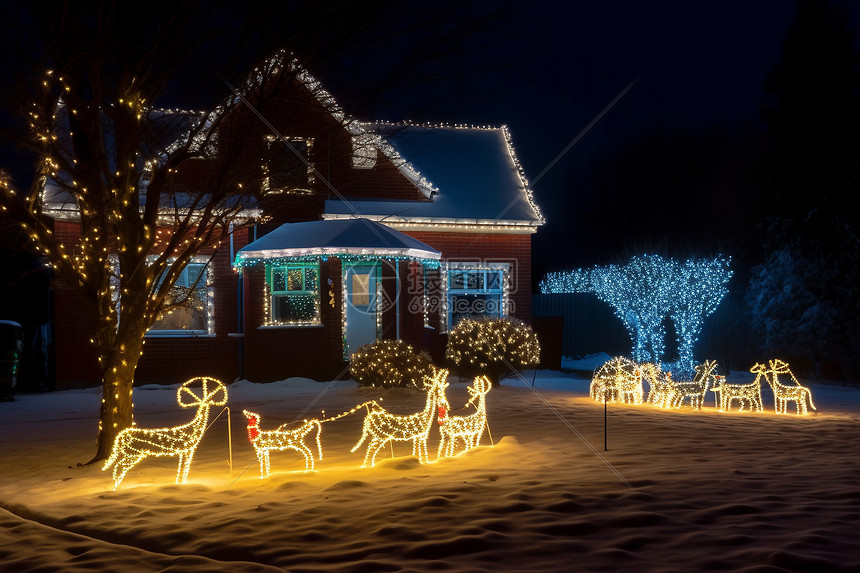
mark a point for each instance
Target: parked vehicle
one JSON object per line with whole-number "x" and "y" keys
{"x": 11, "y": 348}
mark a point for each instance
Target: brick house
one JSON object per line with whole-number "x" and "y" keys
{"x": 361, "y": 232}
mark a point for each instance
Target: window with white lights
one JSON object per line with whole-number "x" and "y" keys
{"x": 287, "y": 168}
{"x": 476, "y": 291}
{"x": 294, "y": 294}
{"x": 188, "y": 305}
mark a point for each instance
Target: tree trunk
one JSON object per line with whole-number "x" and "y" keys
{"x": 117, "y": 413}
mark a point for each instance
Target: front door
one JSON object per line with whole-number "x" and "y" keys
{"x": 361, "y": 306}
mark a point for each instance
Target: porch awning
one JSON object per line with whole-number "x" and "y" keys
{"x": 342, "y": 238}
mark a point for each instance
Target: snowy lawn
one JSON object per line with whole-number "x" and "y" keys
{"x": 676, "y": 490}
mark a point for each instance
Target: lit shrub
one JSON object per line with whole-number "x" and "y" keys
{"x": 389, "y": 363}
{"x": 492, "y": 347}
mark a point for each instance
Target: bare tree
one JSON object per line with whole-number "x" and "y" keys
{"x": 109, "y": 158}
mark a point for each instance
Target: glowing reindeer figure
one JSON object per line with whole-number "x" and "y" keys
{"x": 661, "y": 390}
{"x": 133, "y": 445}
{"x": 785, "y": 393}
{"x": 749, "y": 394}
{"x": 468, "y": 428}
{"x": 281, "y": 439}
{"x": 381, "y": 427}
{"x": 617, "y": 380}
{"x": 694, "y": 389}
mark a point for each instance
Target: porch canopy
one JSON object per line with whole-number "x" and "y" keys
{"x": 351, "y": 239}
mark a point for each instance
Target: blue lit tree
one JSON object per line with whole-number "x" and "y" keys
{"x": 647, "y": 290}
{"x": 699, "y": 287}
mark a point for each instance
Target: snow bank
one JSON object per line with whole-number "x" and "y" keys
{"x": 676, "y": 490}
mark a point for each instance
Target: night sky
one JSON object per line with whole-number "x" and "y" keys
{"x": 547, "y": 71}
{"x": 677, "y": 167}
{"x": 697, "y": 66}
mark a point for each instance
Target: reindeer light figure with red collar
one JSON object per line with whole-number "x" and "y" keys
{"x": 661, "y": 391}
{"x": 382, "y": 427}
{"x": 134, "y": 445}
{"x": 281, "y": 439}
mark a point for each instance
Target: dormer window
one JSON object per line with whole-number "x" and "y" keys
{"x": 287, "y": 169}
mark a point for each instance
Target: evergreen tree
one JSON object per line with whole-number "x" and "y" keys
{"x": 809, "y": 219}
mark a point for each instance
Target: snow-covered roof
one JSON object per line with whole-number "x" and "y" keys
{"x": 62, "y": 205}
{"x": 474, "y": 172}
{"x": 347, "y": 238}
{"x": 179, "y": 127}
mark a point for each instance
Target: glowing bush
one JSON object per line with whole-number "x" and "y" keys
{"x": 389, "y": 363}
{"x": 491, "y": 347}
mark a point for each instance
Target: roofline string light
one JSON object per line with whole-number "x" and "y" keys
{"x": 429, "y": 189}
{"x": 344, "y": 254}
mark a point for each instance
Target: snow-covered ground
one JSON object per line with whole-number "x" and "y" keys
{"x": 675, "y": 491}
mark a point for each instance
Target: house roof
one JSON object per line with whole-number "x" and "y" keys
{"x": 60, "y": 204}
{"x": 474, "y": 173}
{"x": 470, "y": 174}
{"x": 345, "y": 238}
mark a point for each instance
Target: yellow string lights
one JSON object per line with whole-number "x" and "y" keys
{"x": 381, "y": 427}
{"x": 745, "y": 394}
{"x": 133, "y": 445}
{"x": 620, "y": 380}
{"x": 617, "y": 380}
{"x": 467, "y": 428}
{"x": 694, "y": 389}
{"x": 280, "y": 439}
{"x": 661, "y": 391}
{"x": 784, "y": 393}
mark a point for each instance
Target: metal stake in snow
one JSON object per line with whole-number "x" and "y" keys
{"x": 605, "y": 399}
{"x": 229, "y": 437}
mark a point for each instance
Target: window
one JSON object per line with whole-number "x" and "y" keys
{"x": 188, "y": 306}
{"x": 294, "y": 294}
{"x": 475, "y": 291}
{"x": 286, "y": 167}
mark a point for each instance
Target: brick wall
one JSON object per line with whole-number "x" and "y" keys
{"x": 276, "y": 353}
{"x": 164, "y": 360}
{"x": 75, "y": 358}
